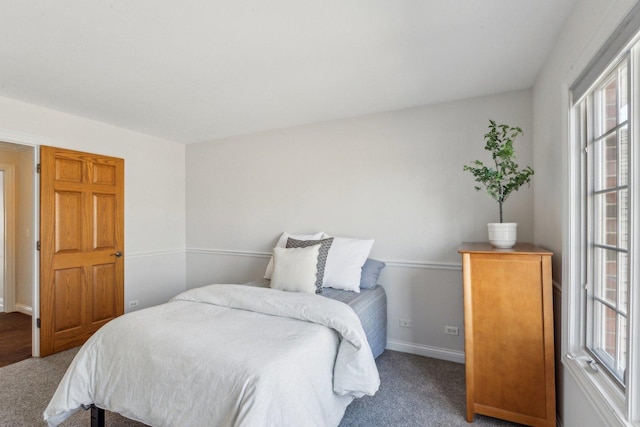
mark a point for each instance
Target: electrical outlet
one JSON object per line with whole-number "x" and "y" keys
{"x": 451, "y": 330}
{"x": 406, "y": 323}
{"x": 133, "y": 303}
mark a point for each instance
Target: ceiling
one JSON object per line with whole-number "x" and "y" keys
{"x": 199, "y": 70}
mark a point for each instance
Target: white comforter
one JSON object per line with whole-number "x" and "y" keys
{"x": 224, "y": 355}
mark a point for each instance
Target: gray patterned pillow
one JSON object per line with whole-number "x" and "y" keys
{"x": 322, "y": 255}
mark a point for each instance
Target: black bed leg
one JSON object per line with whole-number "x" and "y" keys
{"x": 97, "y": 416}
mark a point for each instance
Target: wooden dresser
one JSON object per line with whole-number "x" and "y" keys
{"x": 508, "y": 321}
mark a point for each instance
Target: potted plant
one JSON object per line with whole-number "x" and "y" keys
{"x": 502, "y": 179}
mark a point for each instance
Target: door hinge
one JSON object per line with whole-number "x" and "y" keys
{"x": 38, "y": 245}
{"x": 38, "y": 322}
{"x": 38, "y": 168}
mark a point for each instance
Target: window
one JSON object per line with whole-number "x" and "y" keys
{"x": 606, "y": 203}
{"x": 604, "y": 260}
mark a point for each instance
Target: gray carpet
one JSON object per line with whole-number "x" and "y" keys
{"x": 415, "y": 391}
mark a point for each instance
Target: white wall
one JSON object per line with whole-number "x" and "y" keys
{"x": 154, "y": 192}
{"x": 396, "y": 177}
{"x": 25, "y": 241}
{"x": 585, "y": 31}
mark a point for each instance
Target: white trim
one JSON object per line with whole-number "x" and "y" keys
{"x": 9, "y": 236}
{"x": 590, "y": 385}
{"x": 22, "y": 138}
{"x": 25, "y": 309}
{"x": 154, "y": 253}
{"x": 572, "y": 238}
{"x": 229, "y": 252}
{"x": 429, "y": 265}
{"x": 633, "y": 367}
{"x": 607, "y": 399}
{"x": 426, "y": 350}
{"x": 35, "y": 300}
{"x": 22, "y": 308}
{"x": 34, "y": 141}
{"x": 624, "y": 32}
{"x": 602, "y": 30}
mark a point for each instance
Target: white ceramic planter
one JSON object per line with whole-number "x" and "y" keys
{"x": 502, "y": 235}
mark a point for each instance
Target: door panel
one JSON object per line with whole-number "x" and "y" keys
{"x": 68, "y": 221}
{"x": 68, "y": 294}
{"x": 104, "y": 221}
{"x": 68, "y": 170}
{"x": 104, "y": 174}
{"x": 81, "y": 230}
{"x": 105, "y": 300}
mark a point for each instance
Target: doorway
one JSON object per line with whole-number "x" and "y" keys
{"x": 17, "y": 250}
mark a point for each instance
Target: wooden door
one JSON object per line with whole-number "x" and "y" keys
{"x": 81, "y": 240}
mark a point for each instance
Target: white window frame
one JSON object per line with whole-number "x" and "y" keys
{"x": 596, "y": 217}
{"x": 618, "y": 407}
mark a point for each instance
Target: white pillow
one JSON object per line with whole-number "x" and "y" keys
{"x": 344, "y": 263}
{"x": 295, "y": 269}
{"x": 282, "y": 242}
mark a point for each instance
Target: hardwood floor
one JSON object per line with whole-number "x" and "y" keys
{"x": 15, "y": 337}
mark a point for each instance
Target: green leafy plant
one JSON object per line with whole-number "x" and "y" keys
{"x": 501, "y": 180}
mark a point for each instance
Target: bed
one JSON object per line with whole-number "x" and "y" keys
{"x": 231, "y": 355}
{"x": 370, "y": 305}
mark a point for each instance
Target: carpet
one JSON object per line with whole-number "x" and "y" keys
{"x": 416, "y": 391}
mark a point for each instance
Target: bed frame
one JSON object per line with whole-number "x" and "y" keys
{"x": 97, "y": 416}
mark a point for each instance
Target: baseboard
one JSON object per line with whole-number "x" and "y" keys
{"x": 22, "y": 308}
{"x": 427, "y": 351}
